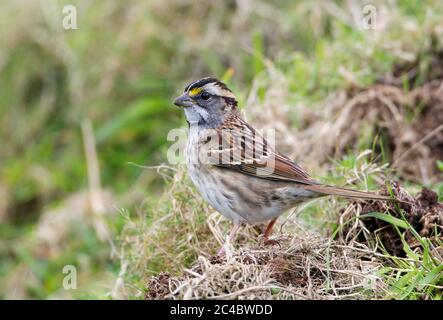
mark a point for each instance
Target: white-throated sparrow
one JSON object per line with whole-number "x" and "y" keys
{"x": 235, "y": 169}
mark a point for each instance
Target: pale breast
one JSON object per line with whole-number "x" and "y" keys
{"x": 206, "y": 180}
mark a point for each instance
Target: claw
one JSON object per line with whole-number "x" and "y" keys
{"x": 268, "y": 231}
{"x": 271, "y": 242}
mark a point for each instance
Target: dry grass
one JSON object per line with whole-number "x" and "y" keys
{"x": 308, "y": 267}
{"x": 174, "y": 228}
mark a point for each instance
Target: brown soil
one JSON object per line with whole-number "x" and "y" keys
{"x": 423, "y": 212}
{"x": 158, "y": 286}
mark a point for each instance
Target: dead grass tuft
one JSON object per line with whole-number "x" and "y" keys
{"x": 299, "y": 268}
{"x": 423, "y": 212}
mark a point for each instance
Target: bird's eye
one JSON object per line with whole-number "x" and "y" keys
{"x": 205, "y": 96}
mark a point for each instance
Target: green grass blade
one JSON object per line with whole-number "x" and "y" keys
{"x": 387, "y": 218}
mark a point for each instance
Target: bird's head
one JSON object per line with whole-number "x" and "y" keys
{"x": 207, "y": 102}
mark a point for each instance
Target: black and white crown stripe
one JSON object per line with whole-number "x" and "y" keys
{"x": 212, "y": 86}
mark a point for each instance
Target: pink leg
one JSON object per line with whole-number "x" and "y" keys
{"x": 221, "y": 253}
{"x": 268, "y": 232}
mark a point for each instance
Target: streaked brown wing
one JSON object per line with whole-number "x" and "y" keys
{"x": 241, "y": 148}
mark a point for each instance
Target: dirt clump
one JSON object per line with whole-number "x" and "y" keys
{"x": 158, "y": 286}
{"x": 423, "y": 213}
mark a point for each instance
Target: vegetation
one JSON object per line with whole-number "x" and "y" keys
{"x": 84, "y": 116}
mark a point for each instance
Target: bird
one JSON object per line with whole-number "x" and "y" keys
{"x": 234, "y": 167}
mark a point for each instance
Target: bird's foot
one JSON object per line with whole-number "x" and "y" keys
{"x": 219, "y": 257}
{"x": 270, "y": 242}
{"x": 221, "y": 254}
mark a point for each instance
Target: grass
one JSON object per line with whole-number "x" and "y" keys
{"x": 419, "y": 275}
{"x": 121, "y": 69}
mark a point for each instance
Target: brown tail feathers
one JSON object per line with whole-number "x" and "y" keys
{"x": 342, "y": 192}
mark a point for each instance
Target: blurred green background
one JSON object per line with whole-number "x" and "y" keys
{"x": 117, "y": 74}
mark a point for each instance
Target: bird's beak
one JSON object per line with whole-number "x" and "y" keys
{"x": 183, "y": 101}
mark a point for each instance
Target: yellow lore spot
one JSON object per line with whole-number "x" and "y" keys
{"x": 195, "y": 91}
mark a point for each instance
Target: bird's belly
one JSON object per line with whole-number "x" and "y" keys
{"x": 211, "y": 192}
{"x": 243, "y": 198}
{"x": 276, "y": 201}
